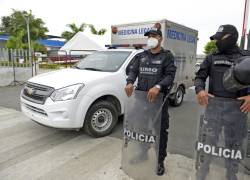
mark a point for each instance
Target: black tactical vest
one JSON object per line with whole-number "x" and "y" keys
{"x": 221, "y": 63}
{"x": 150, "y": 70}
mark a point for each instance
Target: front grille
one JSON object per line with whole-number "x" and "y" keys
{"x": 35, "y": 109}
{"x": 36, "y": 93}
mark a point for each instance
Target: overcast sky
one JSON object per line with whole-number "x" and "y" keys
{"x": 202, "y": 15}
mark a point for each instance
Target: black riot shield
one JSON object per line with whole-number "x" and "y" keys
{"x": 221, "y": 149}
{"x": 142, "y": 121}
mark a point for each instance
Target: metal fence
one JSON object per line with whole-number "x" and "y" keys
{"x": 16, "y": 54}
{"x": 16, "y": 66}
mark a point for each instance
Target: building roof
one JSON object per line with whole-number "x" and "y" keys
{"x": 52, "y": 36}
{"x": 45, "y": 42}
{"x": 4, "y": 37}
{"x": 51, "y": 43}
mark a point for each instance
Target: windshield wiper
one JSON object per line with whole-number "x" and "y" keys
{"x": 92, "y": 69}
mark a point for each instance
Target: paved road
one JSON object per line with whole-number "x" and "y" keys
{"x": 10, "y": 97}
{"x": 31, "y": 151}
{"x": 183, "y": 120}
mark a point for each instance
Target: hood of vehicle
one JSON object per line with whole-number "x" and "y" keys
{"x": 65, "y": 77}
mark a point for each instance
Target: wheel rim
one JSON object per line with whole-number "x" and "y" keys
{"x": 101, "y": 119}
{"x": 179, "y": 96}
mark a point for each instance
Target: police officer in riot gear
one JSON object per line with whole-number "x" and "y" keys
{"x": 155, "y": 70}
{"x": 214, "y": 67}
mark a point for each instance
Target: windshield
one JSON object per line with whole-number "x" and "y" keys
{"x": 107, "y": 61}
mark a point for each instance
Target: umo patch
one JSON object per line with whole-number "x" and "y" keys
{"x": 221, "y": 28}
{"x": 220, "y": 151}
{"x": 139, "y": 136}
{"x": 148, "y": 70}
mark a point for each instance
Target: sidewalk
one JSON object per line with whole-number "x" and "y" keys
{"x": 31, "y": 151}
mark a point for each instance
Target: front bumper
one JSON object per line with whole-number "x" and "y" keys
{"x": 61, "y": 114}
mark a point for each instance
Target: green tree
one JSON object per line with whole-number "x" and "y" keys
{"x": 210, "y": 48}
{"x": 15, "y": 25}
{"x": 73, "y": 30}
{"x": 15, "y": 42}
{"x": 97, "y": 32}
{"x": 38, "y": 47}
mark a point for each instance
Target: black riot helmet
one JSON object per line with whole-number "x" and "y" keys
{"x": 229, "y": 42}
{"x": 238, "y": 76}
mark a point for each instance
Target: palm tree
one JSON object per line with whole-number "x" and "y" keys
{"x": 94, "y": 31}
{"x": 74, "y": 29}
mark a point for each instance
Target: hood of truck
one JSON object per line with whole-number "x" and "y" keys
{"x": 65, "y": 77}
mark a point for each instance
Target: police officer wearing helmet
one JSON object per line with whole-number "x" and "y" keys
{"x": 214, "y": 66}
{"x": 160, "y": 63}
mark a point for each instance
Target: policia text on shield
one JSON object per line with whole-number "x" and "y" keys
{"x": 155, "y": 71}
{"x": 223, "y": 127}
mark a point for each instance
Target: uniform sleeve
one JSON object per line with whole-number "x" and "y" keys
{"x": 169, "y": 70}
{"x": 133, "y": 69}
{"x": 202, "y": 74}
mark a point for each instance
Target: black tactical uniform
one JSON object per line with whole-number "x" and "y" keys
{"x": 214, "y": 67}
{"x": 223, "y": 112}
{"x": 155, "y": 69}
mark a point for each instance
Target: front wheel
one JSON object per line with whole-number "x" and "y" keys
{"x": 100, "y": 119}
{"x": 178, "y": 97}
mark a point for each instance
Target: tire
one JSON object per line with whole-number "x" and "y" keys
{"x": 100, "y": 119}
{"x": 178, "y": 97}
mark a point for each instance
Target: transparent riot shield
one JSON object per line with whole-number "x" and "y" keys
{"x": 221, "y": 148}
{"x": 141, "y": 136}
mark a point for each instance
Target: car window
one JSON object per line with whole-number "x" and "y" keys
{"x": 109, "y": 61}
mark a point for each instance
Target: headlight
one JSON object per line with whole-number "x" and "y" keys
{"x": 66, "y": 93}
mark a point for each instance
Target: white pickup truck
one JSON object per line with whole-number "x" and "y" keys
{"x": 91, "y": 95}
